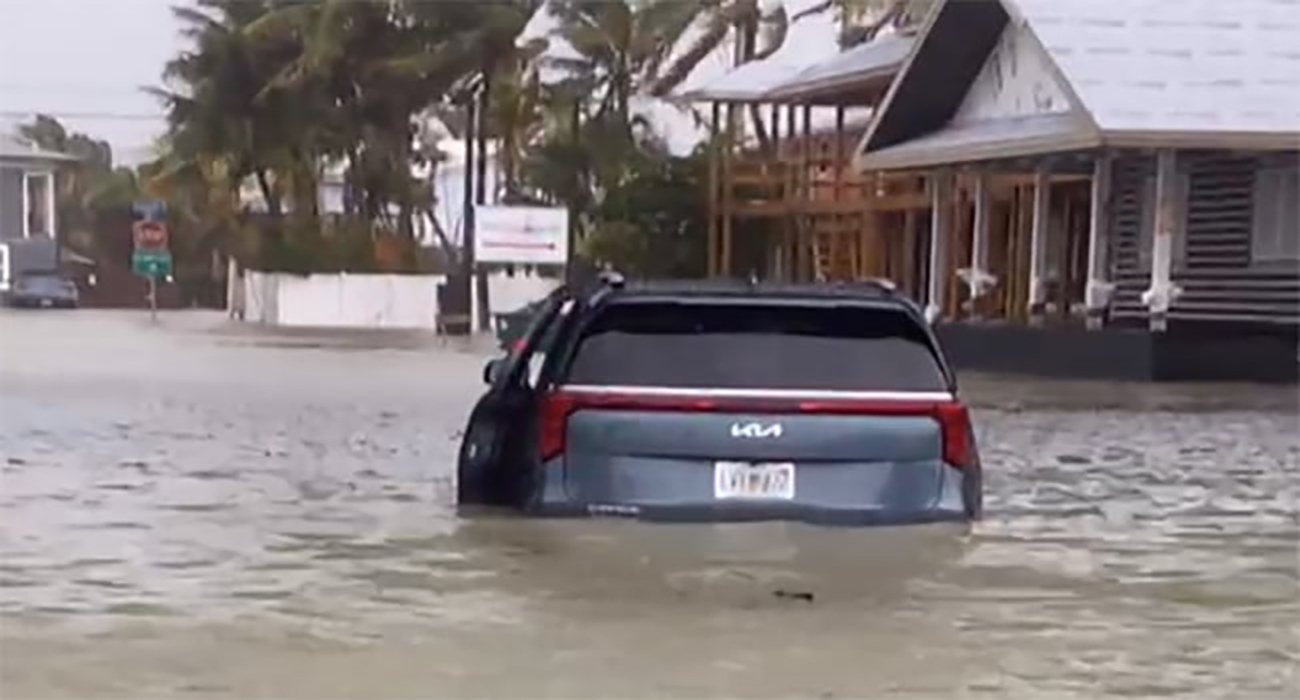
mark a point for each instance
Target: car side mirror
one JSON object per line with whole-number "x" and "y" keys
{"x": 492, "y": 370}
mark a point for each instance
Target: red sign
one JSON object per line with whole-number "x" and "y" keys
{"x": 150, "y": 235}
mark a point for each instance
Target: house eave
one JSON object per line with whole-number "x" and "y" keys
{"x": 1204, "y": 140}
{"x": 904, "y": 158}
{"x": 44, "y": 161}
{"x": 837, "y": 89}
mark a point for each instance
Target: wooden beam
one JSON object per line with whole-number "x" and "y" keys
{"x": 714, "y": 192}
{"x": 804, "y": 237}
{"x": 1002, "y": 180}
{"x": 761, "y": 208}
{"x": 728, "y": 196}
{"x": 789, "y": 226}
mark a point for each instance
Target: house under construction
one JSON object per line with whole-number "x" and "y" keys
{"x": 1068, "y": 186}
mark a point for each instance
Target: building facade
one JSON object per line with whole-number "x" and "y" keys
{"x": 1130, "y": 169}
{"x": 29, "y": 232}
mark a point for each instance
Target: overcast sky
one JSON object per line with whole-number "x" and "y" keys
{"x": 88, "y": 57}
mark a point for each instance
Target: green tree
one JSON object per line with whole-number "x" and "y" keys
{"x": 222, "y": 110}
{"x": 654, "y": 224}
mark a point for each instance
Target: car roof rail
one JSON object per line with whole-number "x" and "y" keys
{"x": 880, "y": 285}
{"x": 612, "y": 278}
{"x": 599, "y": 287}
{"x": 883, "y": 284}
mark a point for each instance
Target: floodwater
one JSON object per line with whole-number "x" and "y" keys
{"x": 194, "y": 510}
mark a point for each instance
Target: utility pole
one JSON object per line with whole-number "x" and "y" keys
{"x": 480, "y": 280}
{"x": 575, "y": 131}
{"x": 467, "y": 215}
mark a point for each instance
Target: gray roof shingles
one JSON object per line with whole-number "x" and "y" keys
{"x": 1176, "y": 65}
{"x": 759, "y": 80}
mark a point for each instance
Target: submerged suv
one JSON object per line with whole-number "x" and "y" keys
{"x": 724, "y": 402}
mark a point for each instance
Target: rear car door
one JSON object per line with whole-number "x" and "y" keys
{"x": 488, "y": 472}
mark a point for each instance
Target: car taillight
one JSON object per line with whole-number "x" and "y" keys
{"x": 553, "y": 415}
{"x": 958, "y": 442}
{"x": 954, "y": 420}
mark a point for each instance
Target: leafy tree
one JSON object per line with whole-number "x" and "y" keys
{"x": 654, "y": 224}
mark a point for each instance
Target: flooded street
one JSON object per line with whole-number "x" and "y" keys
{"x": 198, "y": 510}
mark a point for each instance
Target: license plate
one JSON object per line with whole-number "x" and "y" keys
{"x": 773, "y": 481}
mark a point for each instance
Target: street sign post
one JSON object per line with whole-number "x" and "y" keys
{"x": 151, "y": 263}
{"x": 150, "y": 209}
{"x": 151, "y": 257}
{"x": 149, "y": 235}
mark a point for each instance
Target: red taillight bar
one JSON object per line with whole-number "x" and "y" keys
{"x": 953, "y": 418}
{"x": 553, "y": 416}
{"x": 958, "y": 441}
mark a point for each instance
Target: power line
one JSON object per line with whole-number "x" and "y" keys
{"x": 68, "y": 88}
{"x": 116, "y": 116}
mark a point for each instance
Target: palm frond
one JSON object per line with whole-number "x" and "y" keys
{"x": 681, "y": 69}
{"x": 775, "y": 28}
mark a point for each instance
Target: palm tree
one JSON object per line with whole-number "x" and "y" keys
{"x": 860, "y": 21}
{"x": 617, "y": 45}
{"x": 216, "y": 112}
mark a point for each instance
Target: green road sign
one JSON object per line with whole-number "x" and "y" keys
{"x": 151, "y": 263}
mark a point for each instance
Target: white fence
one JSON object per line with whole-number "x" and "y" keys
{"x": 339, "y": 301}
{"x": 363, "y": 300}
{"x": 511, "y": 292}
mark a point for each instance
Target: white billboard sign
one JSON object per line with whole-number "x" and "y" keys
{"x": 521, "y": 235}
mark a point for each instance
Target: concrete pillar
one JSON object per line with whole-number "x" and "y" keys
{"x": 1038, "y": 244}
{"x": 1162, "y": 292}
{"x": 940, "y": 217}
{"x": 1097, "y": 295}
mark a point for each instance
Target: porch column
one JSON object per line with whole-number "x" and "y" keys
{"x": 1097, "y": 295}
{"x": 940, "y": 201}
{"x": 1038, "y": 244}
{"x": 978, "y": 278}
{"x": 1162, "y": 292}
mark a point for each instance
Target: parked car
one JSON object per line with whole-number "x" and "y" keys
{"x": 42, "y": 290}
{"x": 724, "y": 402}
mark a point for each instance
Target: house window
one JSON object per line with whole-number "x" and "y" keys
{"x": 1182, "y": 186}
{"x": 1275, "y": 233}
{"x": 38, "y": 204}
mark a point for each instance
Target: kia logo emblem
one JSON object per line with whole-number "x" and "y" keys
{"x": 755, "y": 430}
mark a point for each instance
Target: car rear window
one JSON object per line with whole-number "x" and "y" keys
{"x": 748, "y": 346}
